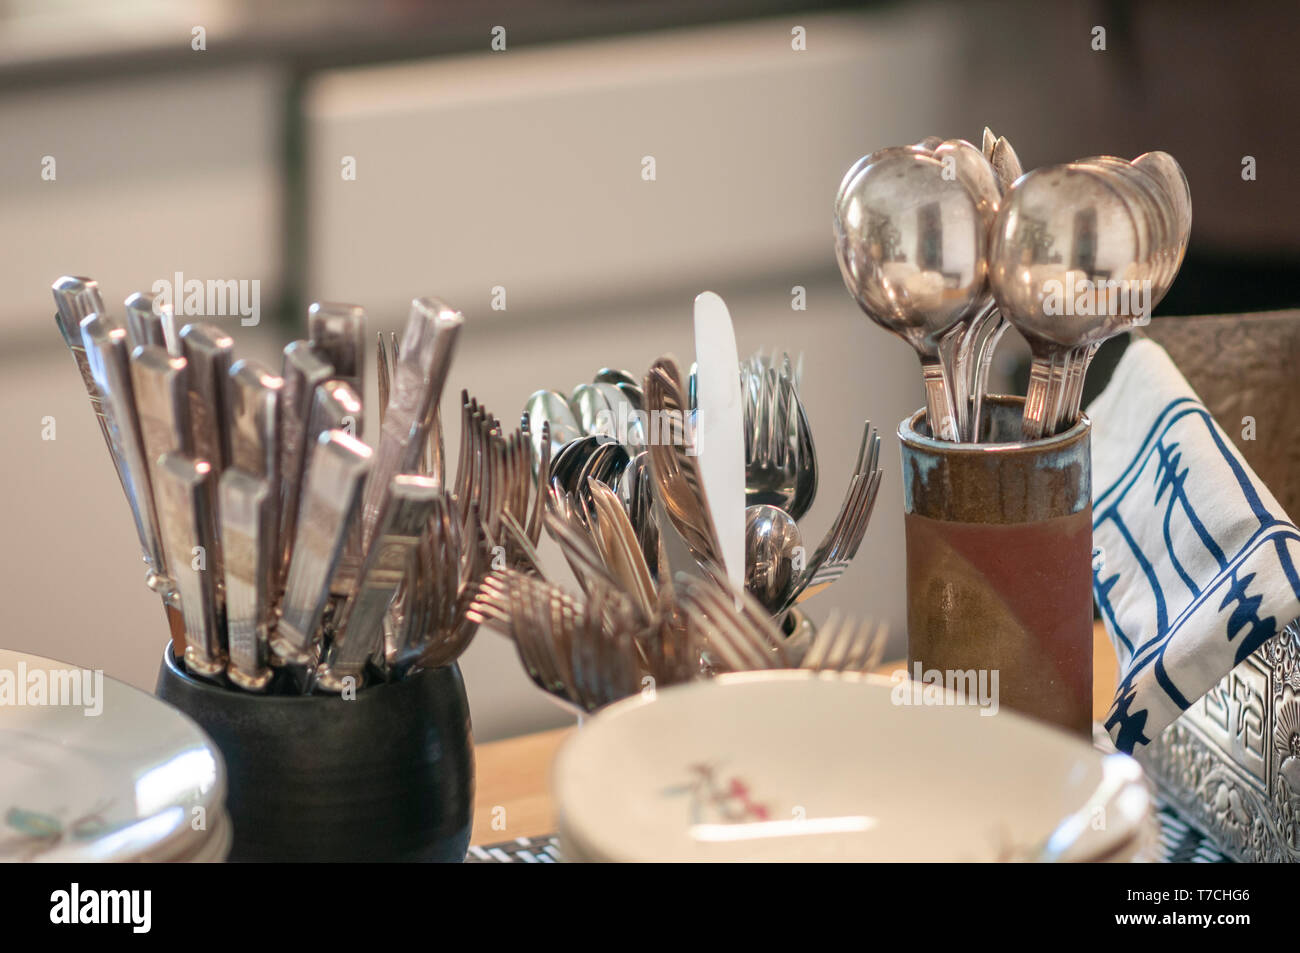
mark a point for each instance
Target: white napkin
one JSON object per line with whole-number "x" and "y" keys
{"x": 1194, "y": 563}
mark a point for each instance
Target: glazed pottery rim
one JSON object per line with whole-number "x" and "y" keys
{"x": 239, "y": 696}
{"x": 911, "y": 437}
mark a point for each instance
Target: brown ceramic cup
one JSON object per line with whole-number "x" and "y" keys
{"x": 999, "y": 561}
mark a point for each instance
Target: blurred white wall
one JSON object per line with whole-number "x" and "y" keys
{"x": 521, "y": 170}
{"x": 152, "y": 175}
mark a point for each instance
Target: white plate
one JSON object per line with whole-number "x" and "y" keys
{"x": 800, "y": 766}
{"x": 119, "y": 785}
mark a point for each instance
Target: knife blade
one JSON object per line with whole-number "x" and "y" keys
{"x": 331, "y": 499}
{"x": 720, "y": 435}
{"x": 185, "y": 504}
{"x": 415, "y": 390}
{"x": 337, "y": 333}
{"x": 360, "y": 627}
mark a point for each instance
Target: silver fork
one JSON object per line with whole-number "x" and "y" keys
{"x": 780, "y": 460}
{"x": 840, "y": 545}
{"x": 731, "y": 630}
{"x": 844, "y": 645}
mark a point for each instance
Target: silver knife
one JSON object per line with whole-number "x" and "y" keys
{"x": 184, "y": 500}
{"x": 338, "y": 334}
{"x": 106, "y": 354}
{"x": 414, "y": 392}
{"x": 303, "y": 372}
{"x": 331, "y": 498}
{"x": 360, "y": 627}
{"x": 147, "y": 321}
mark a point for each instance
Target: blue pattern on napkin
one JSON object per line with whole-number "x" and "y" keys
{"x": 1195, "y": 565}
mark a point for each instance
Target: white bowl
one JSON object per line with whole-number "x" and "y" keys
{"x": 786, "y": 766}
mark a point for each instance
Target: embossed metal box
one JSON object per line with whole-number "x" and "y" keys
{"x": 1232, "y": 761}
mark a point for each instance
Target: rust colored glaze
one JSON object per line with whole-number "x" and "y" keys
{"x": 999, "y": 562}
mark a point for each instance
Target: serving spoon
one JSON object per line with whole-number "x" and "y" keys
{"x": 911, "y": 244}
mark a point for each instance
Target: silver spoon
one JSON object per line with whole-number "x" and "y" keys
{"x": 549, "y": 407}
{"x": 958, "y": 347}
{"x": 773, "y": 544}
{"x": 911, "y": 245}
{"x": 1059, "y": 225}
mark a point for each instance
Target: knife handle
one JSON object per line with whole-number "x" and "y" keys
{"x": 338, "y": 335}
{"x": 360, "y": 626}
{"x": 331, "y": 499}
{"x": 184, "y": 500}
{"x": 248, "y": 543}
{"x": 303, "y": 373}
{"x": 106, "y": 354}
{"x": 149, "y": 322}
{"x": 209, "y": 352}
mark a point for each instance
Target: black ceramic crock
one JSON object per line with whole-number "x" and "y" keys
{"x": 388, "y": 776}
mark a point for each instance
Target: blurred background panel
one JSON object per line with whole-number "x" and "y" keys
{"x": 135, "y": 178}
{"x": 210, "y": 137}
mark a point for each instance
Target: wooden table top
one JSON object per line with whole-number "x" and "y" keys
{"x": 513, "y": 793}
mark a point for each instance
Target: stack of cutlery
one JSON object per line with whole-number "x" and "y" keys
{"x": 659, "y": 488}
{"x": 290, "y": 555}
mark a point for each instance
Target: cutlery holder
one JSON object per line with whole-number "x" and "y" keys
{"x": 999, "y": 562}
{"x": 388, "y": 776}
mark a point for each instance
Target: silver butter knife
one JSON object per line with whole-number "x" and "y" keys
{"x": 419, "y": 376}
{"x": 720, "y": 433}
{"x": 338, "y": 334}
{"x": 331, "y": 498}
{"x": 185, "y": 503}
{"x": 360, "y": 626}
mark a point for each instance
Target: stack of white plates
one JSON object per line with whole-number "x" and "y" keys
{"x": 92, "y": 769}
{"x": 797, "y": 766}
